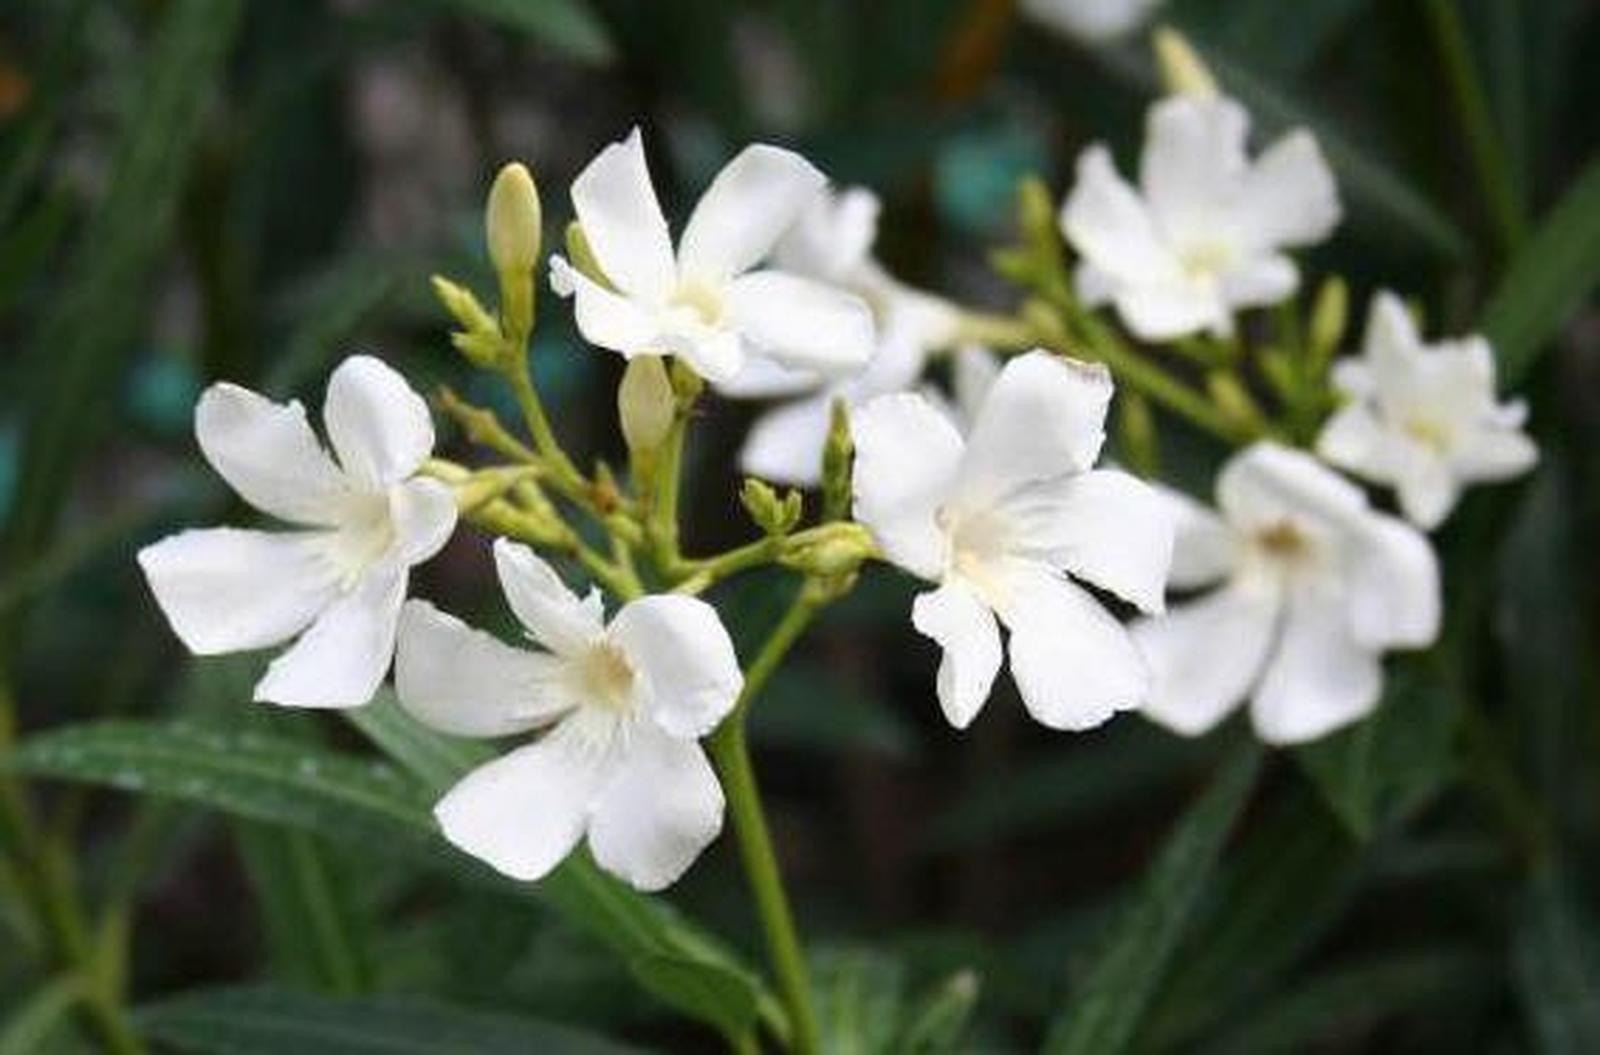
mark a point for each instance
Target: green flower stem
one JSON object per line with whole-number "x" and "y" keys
{"x": 997, "y": 332}
{"x": 662, "y": 518}
{"x": 731, "y": 752}
{"x": 702, "y": 573}
{"x": 1477, "y": 125}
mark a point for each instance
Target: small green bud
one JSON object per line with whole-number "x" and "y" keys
{"x": 837, "y": 554}
{"x": 513, "y": 220}
{"x": 1036, "y": 212}
{"x": 1330, "y": 314}
{"x": 1136, "y": 428}
{"x": 463, "y": 306}
{"x": 1235, "y": 402}
{"x": 482, "y": 350}
{"x": 838, "y": 460}
{"x": 646, "y": 405}
{"x": 773, "y": 514}
{"x": 686, "y": 383}
{"x": 1182, "y": 71}
{"x": 486, "y": 485}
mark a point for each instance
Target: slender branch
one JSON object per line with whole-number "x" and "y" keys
{"x": 730, "y": 751}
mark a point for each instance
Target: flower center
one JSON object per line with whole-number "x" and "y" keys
{"x": 977, "y": 540}
{"x": 365, "y": 537}
{"x": 1284, "y": 541}
{"x": 1206, "y": 259}
{"x": 701, "y": 300}
{"x": 1430, "y": 434}
{"x": 607, "y": 677}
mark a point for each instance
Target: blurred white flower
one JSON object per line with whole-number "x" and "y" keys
{"x": 362, "y": 522}
{"x": 1205, "y": 232}
{"x": 1091, "y": 21}
{"x": 832, "y": 243}
{"x": 998, "y": 520}
{"x": 1315, "y": 586}
{"x": 1423, "y": 417}
{"x": 622, "y": 707}
{"x": 709, "y": 303}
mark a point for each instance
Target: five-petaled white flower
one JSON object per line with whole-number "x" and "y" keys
{"x": 998, "y": 520}
{"x": 832, "y": 243}
{"x": 622, "y": 705}
{"x": 1423, "y": 418}
{"x": 1204, "y": 233}
{"x": 709, "y": 303}
{"x": 1315, "y": 587}
{"x": 361, "y": 523}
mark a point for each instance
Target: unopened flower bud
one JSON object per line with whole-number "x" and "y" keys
{"x": 838, "y": 458}
{"x": 646, "y": 405}
{"x": 1235, "y": 402}
{"x": 1330, "y": 313}
{"x": 773, "y": 514}
{"x": 513, "y": 219}
{"x": 1182, "y": 71}
{"x": 463, "y": 306}
{"x": 1136, "y": 428}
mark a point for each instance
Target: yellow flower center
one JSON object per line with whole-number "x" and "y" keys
{"x": 701, "y": 300}
{"x": 607, "y": 677}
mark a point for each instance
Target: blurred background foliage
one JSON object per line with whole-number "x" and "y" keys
{"x": 201, "y": 189}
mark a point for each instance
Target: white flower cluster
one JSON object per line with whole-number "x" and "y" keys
{"x": 999, "y": 502}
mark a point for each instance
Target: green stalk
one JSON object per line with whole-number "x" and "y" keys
{"x": 730, "y": 751}
{"x": 1477, "y": 125}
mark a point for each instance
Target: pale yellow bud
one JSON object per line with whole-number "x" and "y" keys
{"x": 1182, "y": 70}
{"x": 1330, "y": 314}
{"x": 512, "y": 220}
{"x": 646, "y": 404}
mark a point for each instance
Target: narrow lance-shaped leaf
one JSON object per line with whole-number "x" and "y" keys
{"x": 1103, "y": 1012}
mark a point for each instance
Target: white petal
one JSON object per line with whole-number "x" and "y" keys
{"x": 547, "y": 609}
{"x": 465, "y": 682}
{"x": 378, "y": 426}
{"x": 1161, "y": 311}
{"x": 1192, "y": 164}
{"x": 1393, "y": 588}
{"x": 225, "y": 590}
{"x": 1045, "y": 417}
{"x": 1427, "y": 489}
{"x": 660, "y": 809}
{"x": 802, "y": 323}
{"x": 680, "y": 651}
{"x": 341, "y": 660}
{"x": 605, "y": 318}
{"x": 1204, "y": 547}
{"x": 1112, "y": 530}
{"x": 973, "y": 372}
{"x": 622, "y": 222}
{"x": 423, "y": 512}
{"x": 833, "y": 237}
{"x": 1390, "y": 344}
{"x": 1495, "y": 453}
{"x": 1260, "y": 280}
{"x": 269, "y": 455}
{"x": 761, "y": 378}
{"x": 524, "y": 812}
{"x": 1318, "y": 678}
{"x": 907, "y": 455}
{"x": 785, "y": 443}
{"x": 718, "y": 355}
{"x": 1108, "y": 224}
{"x": 754, "y": 199}
{"x": 1354, "y": 439}
{"x": 966, "y": 630}
{"x": 1205, "y": 655}
{"x": 1074, "y": 665}
{"x": 1289, "y": 197}
{"x": 1265, "y": 483}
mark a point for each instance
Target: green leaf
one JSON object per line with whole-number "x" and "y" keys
{"x": 859, "y": 995}
{"x": 938, "y": 1021}
{"x": 104, "y": 297}
{"x": 1554, "y": 271}
{"x": 29, "y": 1026}
{"x": 567, "y": 25}
{"x": 267, "y": 1022}
{"x": 705, "y": 991}
{"x": 1340, "y": 1004}
{"x": 1556, "y": 956}
{"x": 1104, "y": 1011}
{"x": 310, "y": 923}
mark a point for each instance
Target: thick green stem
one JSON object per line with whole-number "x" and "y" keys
{"x": 731, "y": 753}
{"x": 1477, "y": 125}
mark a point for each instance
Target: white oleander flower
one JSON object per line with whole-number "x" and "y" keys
{"x": 622, "y": 707}
{"x": 709, "y": 303}
{"x": 1091, "y": 21}
{"x": 1423, "y": 417}
{"x": 340, "y": 576}
{"x": 1315, "y": 587}
{"x": 1205, "y": 232}
{"x": 1000, "y": 520}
